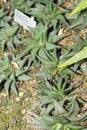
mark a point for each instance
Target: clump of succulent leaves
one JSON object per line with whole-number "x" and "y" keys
{"x": 10, "y": 71}
{"x": 60, "y": 60}
{"x": 22, "y": 5}
{"x": 56, "y": 94}
{"x": 79, "y": 16}
{"x": 40, "y": 40}
{"x": 48, "y": 13}
{"x": 60, "y": 106}
{"x": 2, "y": 13}
{"x": 81, "y": 22}
{"x": 7, "y": 34}
{"x": 7, "y": 30}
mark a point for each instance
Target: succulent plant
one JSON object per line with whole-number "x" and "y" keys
{"x": 60, "y": 55}
{"x": 48, "y": 13}
{"x": 81, "y": 55}
{"x": 58, "y": 106}
{"x": 78, "y": 20}
{"x": 2, "y": 13}
{"x": 39, "y": 41}
{"x": 49, "y": 61}
{"x": 52, "y": 60}
{"x": 7, "y": 34}
{"x": 69, "y": 126}
{"x": 57, "y": 89}
{"x": 21, "y": 4}
{"x": 9, "y": 71}
{"x": 56, "y": 113}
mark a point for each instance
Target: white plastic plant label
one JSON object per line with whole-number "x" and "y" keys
{"x": 24, "y": 20}
{"x": 4, "y": 1}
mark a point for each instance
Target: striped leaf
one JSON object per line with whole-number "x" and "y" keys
{"x": 82, "y": 5}
{"x": 74, "y": 59}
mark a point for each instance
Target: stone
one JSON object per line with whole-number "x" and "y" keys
{"x": 13, "y": 120}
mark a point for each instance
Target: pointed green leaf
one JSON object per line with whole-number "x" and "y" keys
{"x": 74, "y": 59}
{"x": 82, "y": 5}
{"x": 13, "y": 87}
{"x": 7, "y": 86}
{"x": 75, "y": 127}
{"x": 57, "y": 126}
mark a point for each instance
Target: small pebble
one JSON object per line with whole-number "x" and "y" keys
{"x": 6, "y": 127}
{"x": 17, "y": 99}
{"x": 4, "y": 94}
{"x": 26, "y": 99}
{"x": 21, "y": 94}
{"x": 23, "y": 111}
{"x": 13, "y": 120}
{"x": 84, "y": 96}
{"x": 9, "y": 109}
{"x": 3, "y": 101}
